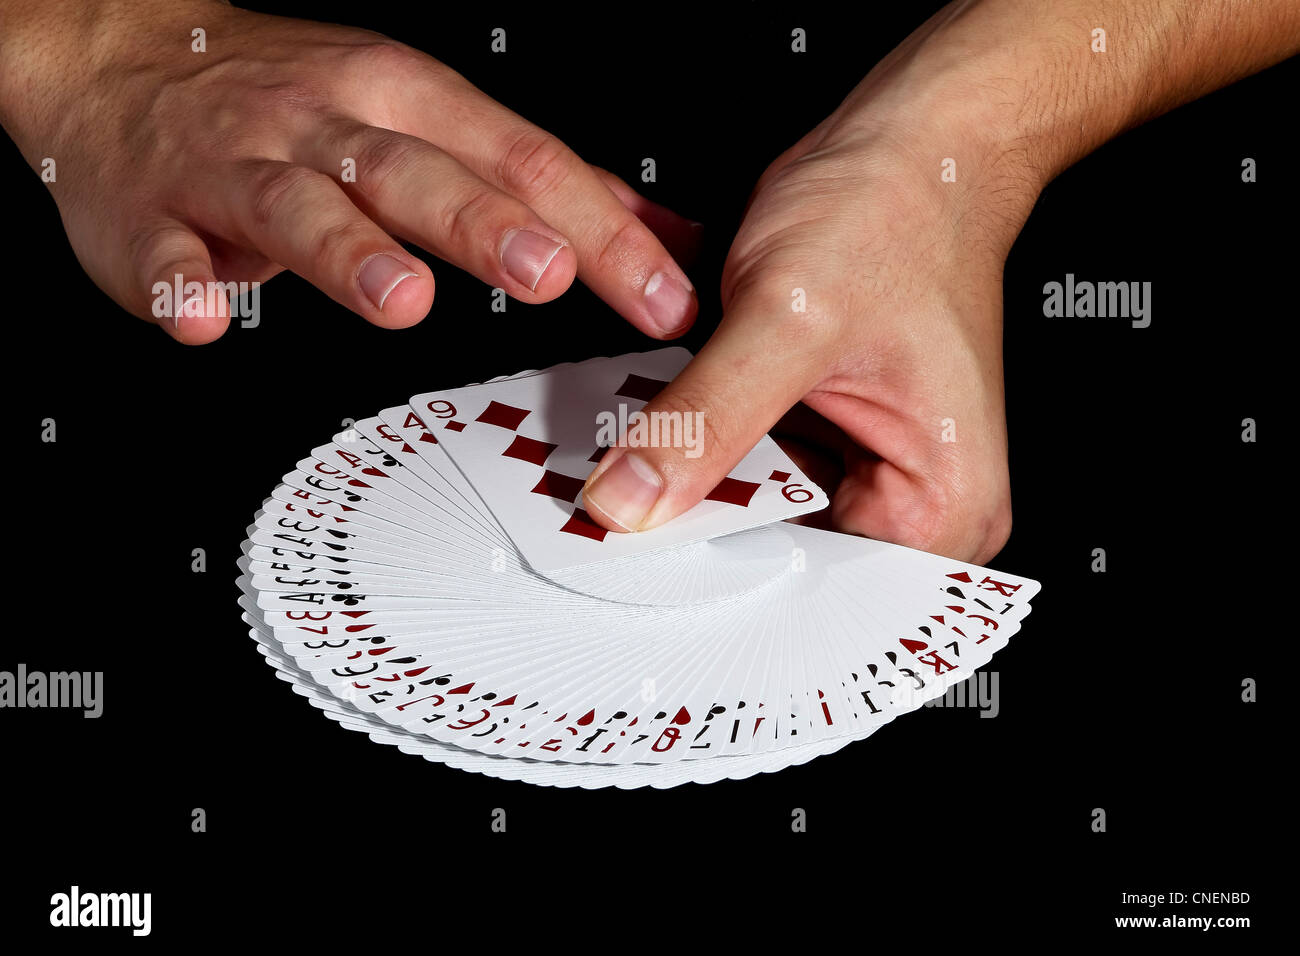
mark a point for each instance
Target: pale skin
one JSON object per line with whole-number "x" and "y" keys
{"x": 227, "y": 166}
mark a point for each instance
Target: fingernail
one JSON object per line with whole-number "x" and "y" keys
{"x": 379, "y": 275}
{"x": 525, "y": 255}
{"x": 193, "y": 306}
{"x": 668, "y": 301}
{"x": 625, "y": 492}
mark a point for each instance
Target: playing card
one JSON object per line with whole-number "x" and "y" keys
{"x": 412, "y": 582}
{"x": 527, "y": 445}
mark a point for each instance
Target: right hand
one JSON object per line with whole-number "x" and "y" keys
{"x": 227, "y": 166}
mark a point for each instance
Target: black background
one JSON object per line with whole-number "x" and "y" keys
{"x": 1122, "y": 691}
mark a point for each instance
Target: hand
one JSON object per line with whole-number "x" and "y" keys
{"x": 898, "y": 346}
{"x": 868, "y": 287}
{"x": 865, "y": 286}
{"x": 228, "y": 166}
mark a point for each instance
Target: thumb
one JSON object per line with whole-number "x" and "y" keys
{"x": 724, "y": 401}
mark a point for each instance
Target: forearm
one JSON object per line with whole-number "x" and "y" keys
{"x": 1021, "y": 89}
{"x": 1158, "y": 55}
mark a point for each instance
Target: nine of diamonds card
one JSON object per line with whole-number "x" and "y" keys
{"x": 431, "y": 578}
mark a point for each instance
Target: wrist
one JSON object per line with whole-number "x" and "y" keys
{"x": 964, "y": 113}
{"x": 1032, "y": 87}
{"x": 1019, "y": 82}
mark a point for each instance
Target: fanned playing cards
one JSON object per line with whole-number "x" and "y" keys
{"x": 430, "y": 578}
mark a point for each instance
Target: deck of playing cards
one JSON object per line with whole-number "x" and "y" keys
{"x": 431, "y": 578}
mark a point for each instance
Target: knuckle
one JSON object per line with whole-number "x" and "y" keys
{"x": 928, "y": 522}
{"x": 365, "y": 73}
{"x": 816, "y": 323}
{"x": 619, "y": 246}
{"x": 709, "y": 430}
{"x": 382, "y": 159}
{"x": 806, "y": 313}
{"x": 972, "y": 523}
{"x": 380, "y": 56}
{"x": 335, "y": 242}
{"x": 149, "y": 247}
{"x": 997, "y": 531}
{"x": 276, "y": 188}
{"x": 461, "y": 226}
{"x": 533, "y": 164}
